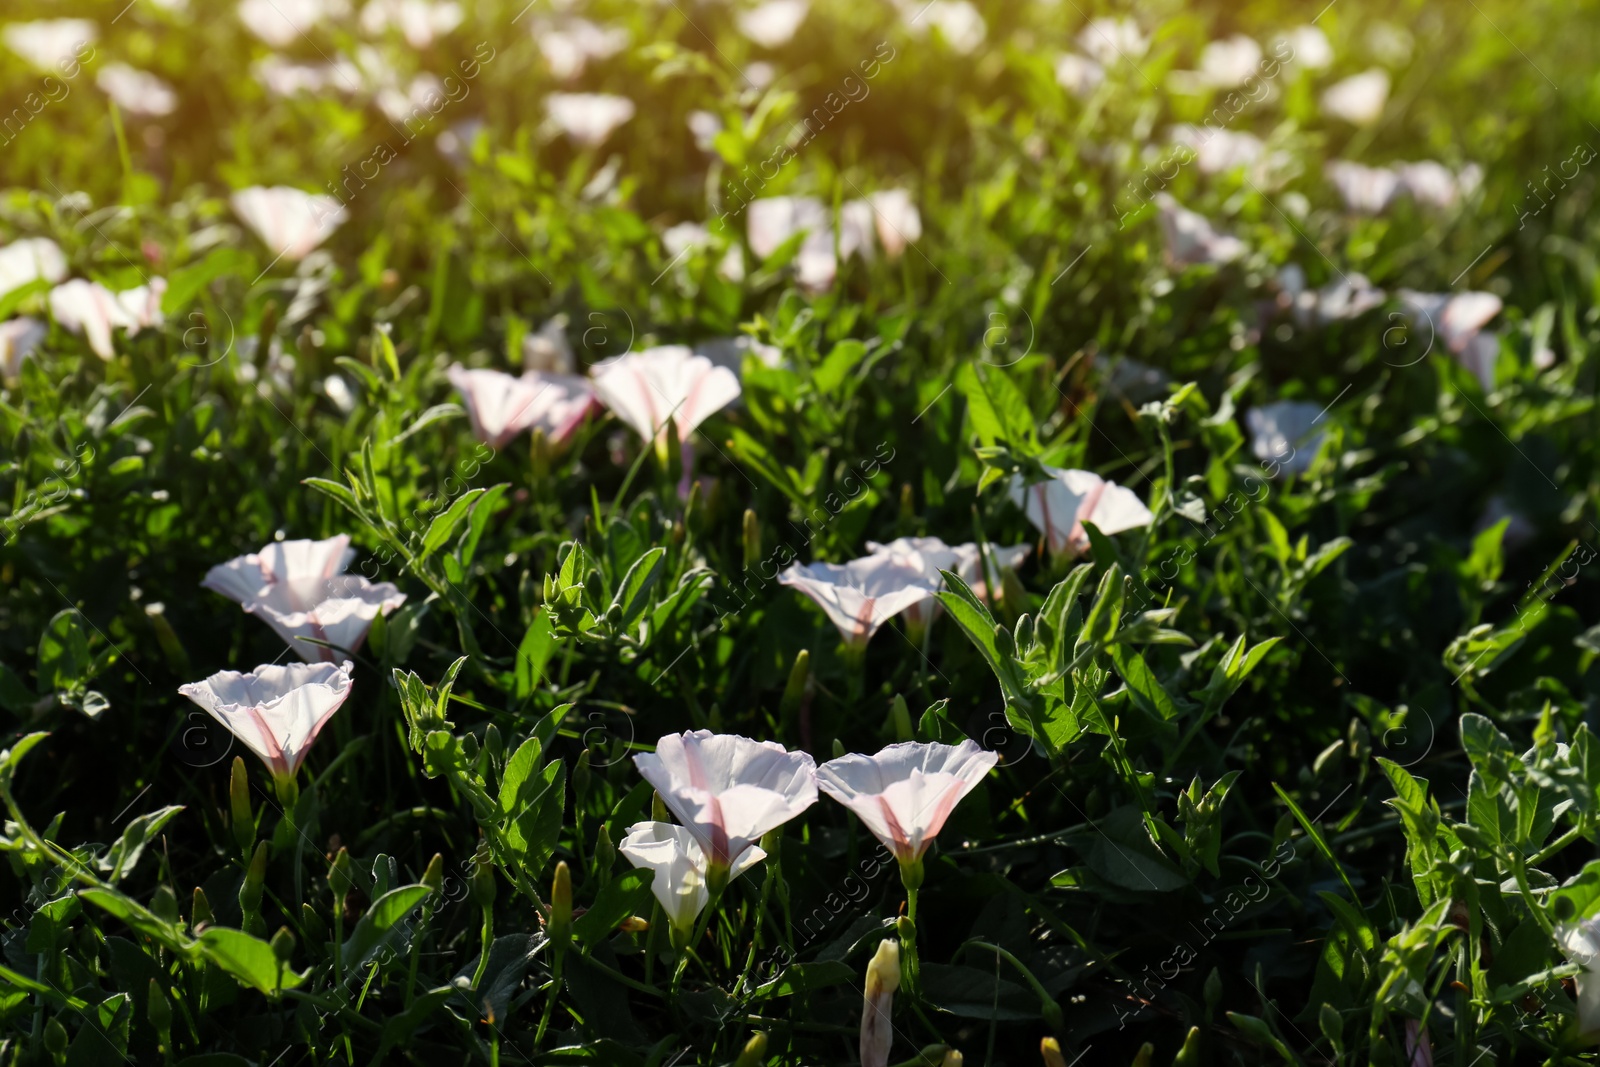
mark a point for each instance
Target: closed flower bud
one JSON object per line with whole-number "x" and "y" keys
{"x": 755, "y": 1050}
{"x": 877, "y": 1030}
{"x": 433, "y": 877}
{"x": 605, "y": 852}
{"x": 560, "y": 928}
{"x": 200, "y": 914}
{"x": 952, "y": 1058}
{"x": 244, "y": 820}
{"x": 1050, "y": 1050}
{"x": 340, "y": 880}
{"x": 283, "y": 945}
{"x": 165, "y": 903}
{"x": 483, "y": 885}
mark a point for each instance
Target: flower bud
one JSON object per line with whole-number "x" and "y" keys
{"x": 755, "y": 1050}
{"x": 560, "y": 928}
{"x": 433, "y": 877}
{"x": 200, "y": 913}
{"x": 605, "y": 852}
{"x": 952, "y": 1058}
{"x": 1050, "y": 1050}
{"x": 340, "y": 879}
{"x": 482, "y": 884}
{"x": 752, "y": 539}
{"x": 244, "y": 820}
{"x": 877, "y": 1029}
{"x": 283, "y": 945}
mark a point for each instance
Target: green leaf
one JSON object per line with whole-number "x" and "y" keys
{"x": 625, "y": 895}
{"x": 443, "y": 525}
{"x": 1147, "y": 692}
{"x": 380, "y": 921}
{"x": 805, "y": 977}
{"x": 247, "y": 958}
{"x": 124, "y": 854}
{"x": 523, "y": 764}
{"x": 539, "y": 643}
{"x": 63, "y": 652}
{"x": 633, "y": 595}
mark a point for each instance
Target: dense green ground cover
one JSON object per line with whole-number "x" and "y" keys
{"x": 1294, "y": 771}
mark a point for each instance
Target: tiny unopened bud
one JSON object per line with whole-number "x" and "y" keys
{"x": 605, "y": 851}
{"x": 165, "y": 903}
{"x": 200, "y": 913}
{"x": 633, "y": 925}
{"x": 1050, "y": 1050}
{"x": 877, "y": 1029}
{"x": 560, "y": 928}
{"x": 433, "y": 877}
{"x": 340, "y": 879}
{"x": 482, "y": 883}
{"x": 752, "y": 539}
{"x": 244, "y": 820}
{"x": 952, "y": 1058}
{"x": 755, "y": 1050}
{"x": 283, "y": 945}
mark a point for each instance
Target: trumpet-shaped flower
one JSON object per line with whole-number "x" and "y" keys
{"x": 419, "y": 21}
{"x": 290, "y": 222}
{"x": 51, "y": 44}
{"x": 1581, "y": 942}
{"x": 773, "y": 220}
{"x": 501, "y": 406}
{"x": 1285, "y": 432}
{"x": 896, "y": 219}
{"x": 1112, "y": 40}
{"x": 905, "y": 793}
{"x": 773, "y": 24}
{"x": 135, "y": 91}
{"x": 645, "y": 389}
{"x": 301, "y": 590}
{"x": 18, "y": 338}
{"x": 679, "y": 864}
{"x": 1358, "y": 99}
{"x": 1190, "y": 237}
{"x": 282, "y": 22}
{"x": 277, "y": 711}
{"x": 877, "y": 1025}
{"x": 1058, "y": 508}
{"x": 1365, "y": 190}
{"x": 860, "y": 596}
{"x": 1078, "y": 75}
{"x": 29, "y": 260}
{"x": 568, "y": 46}
{"x": 588, "y": 118}
{"x": 728, "y": 790}
{"x": 91, "y": 309}
{"x": 142, "y": 304}
{"x": 1458, "y": 319}
{"x": 930, "y": 555}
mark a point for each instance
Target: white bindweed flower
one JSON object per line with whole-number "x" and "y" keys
{"x": 646, "y": 389}
{"x": 679, "y": 864}
{"x": 547, "y": 349}
{"x": 957, "y": 21}
{"x": 905, "y": 793}
{"x": 774, "y": 220}
{"x": 1190, "y": 237}
{"x": 877, "y": 1025}
{"x": 1078, "y": 75}
{"x": 18, "y": 338}
{"x": 930, "y": 555}
{"x": 29, "y": 260}
{"x": 728, "y": 790}
{"x": 135, "y": 91}
{"x": 860, "y": 596}
{"x": 142, "y": 304}
{"x": 301, "y": 590}
{"x": 1365, "y": 190}
{"x": 1109, "y": 40}
{"x": 1229, "y": 62}
{"x": 1457, "y": 319}
{"x": 704, "y": 127}
{"x": 290, "y": 222}
{"x": 1581, "y": 943}
{"x": 588, "y": 118}
{"x": 51, "y": 44}
{"x": 1309, "y": 48}
{"x": 1285, "y": 433}
{"x": 774, "y": 23}
{"x": 419, "y": 21}
{"x": 1430, "y": 184}
{"x": 1058, "y": 508}
{"x": 1216, "y": 150}
{"x": 1342, "y": 299}
{"x": 1358, "y": 99}
{"x": 90, "y": 309}
{"x": 896, "y": 220}
{"x": 277, "y": 711}
{"x": 501, "y": 406}
{"x": 568, "y": 46}
{"x": 283, "y": 22}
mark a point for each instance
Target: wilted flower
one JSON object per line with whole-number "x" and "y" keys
{"x": 646, "y": 389}
{"x": 18, "y": 338}
{"x": 135, "y": 91}
{"x": 588, "y": 118}
{"x": 773, "y": 23}
{"x": 1358, "y": 99}
{"x": 501, "y": 406}
{"x": 282, "y": 22}
{"x": 568, "y": 46}
{"x": 277, "y": 711}
{"x": 728, "y": 791}
{"x": 860, "y": 596}
{"x": 1058, "y": 508}
{"x": 680, "y": 868}
{"x": 50, "y": 43}
{"x": 1190, "y": 237}
{"x": 29, "y": 260}
{"x": 877, "y": 1026}
{"x": 419, "y": 21}
{"x": 1285, "y": 432}
{"x": 289, "y": 222}
{"x": 90, "y": 309}
{"x": 301, "y": 590}
{"x": 905, "y": 793}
